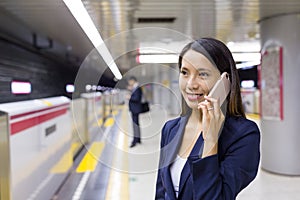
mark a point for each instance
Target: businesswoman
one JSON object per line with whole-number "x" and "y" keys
{"x": 211, "y": 151}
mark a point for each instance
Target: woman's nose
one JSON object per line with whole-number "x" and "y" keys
{"x": 192, "y": 83}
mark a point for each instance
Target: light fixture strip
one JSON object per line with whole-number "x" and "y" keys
{"x": 81, "y": 15}
{"x": 157, "y": 58}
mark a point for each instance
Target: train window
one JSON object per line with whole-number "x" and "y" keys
{"x": 70, "y": 88}
{"x": 20, "y": 87}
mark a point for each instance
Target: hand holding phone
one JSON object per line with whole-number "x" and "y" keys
{"x": 221, "y": 88}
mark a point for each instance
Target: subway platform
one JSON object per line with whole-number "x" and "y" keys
{"x": 108, "y": 169}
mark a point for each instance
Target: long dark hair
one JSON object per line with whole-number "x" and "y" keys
{"x": 221, "y": 57}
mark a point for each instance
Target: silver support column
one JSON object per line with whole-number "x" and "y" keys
{"x": 281, "y": 138}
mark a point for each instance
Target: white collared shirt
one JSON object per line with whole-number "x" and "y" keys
{"x": 176, "y": 169}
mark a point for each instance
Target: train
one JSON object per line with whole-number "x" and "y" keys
{"x": 40, "y": 139}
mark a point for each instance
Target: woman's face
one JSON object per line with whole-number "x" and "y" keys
{"x": 197, "y": 76}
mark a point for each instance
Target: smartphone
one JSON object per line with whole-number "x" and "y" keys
{"x": 221, "y": 88}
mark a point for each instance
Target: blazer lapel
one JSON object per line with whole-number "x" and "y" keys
{"x": 176, "y": 141}
{"x": 168, "y": 183}
{"x": 185, "y": 174}
{"x": 170, "y": 151}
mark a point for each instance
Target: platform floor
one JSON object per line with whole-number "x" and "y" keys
{"x": 123, "y": 173}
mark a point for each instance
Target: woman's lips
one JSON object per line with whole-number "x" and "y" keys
{"x": 194, "y": 97}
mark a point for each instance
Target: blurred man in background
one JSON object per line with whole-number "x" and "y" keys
{"x": 135, "y": 107}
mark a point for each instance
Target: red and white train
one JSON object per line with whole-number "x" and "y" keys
{"x": 40, "y": 138}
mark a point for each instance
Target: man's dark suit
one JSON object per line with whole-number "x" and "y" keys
{"x": 135, "y": 107}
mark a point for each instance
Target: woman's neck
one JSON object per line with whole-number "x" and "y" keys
{"x": 192, "y": 131}
{"x": 196, "y": 116}
{"x": 195, "y": 121}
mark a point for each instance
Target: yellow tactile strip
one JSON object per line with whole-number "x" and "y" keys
{"x": 90, "y": 160}
{"x": 64, "y": 164}
{"x": 118, "y": 184}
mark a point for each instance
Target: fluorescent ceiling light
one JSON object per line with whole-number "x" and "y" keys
{"x": 250, "y": 46}
{"x": 158, "y": 58}
{"x": 246, "y": 65}
{"x": 153, "y": 50}
{"x": 81, "y": 15}
{"x": 246, "y": 57}
{"x": 170, "y": 47}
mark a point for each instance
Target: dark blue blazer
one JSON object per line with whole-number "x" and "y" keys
{"x": 135, "y": 101}
{"x": 220, "y": 176}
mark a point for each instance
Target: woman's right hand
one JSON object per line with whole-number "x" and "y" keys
{"x": 212, "y": 122}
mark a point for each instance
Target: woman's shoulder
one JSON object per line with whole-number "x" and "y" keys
{"x": 240, "y": 126}
{"x": 240, "y": 121}
{"x": 237, "y": 132}
{"x": 169, "y": 129}
{"x": 172, "y": 122}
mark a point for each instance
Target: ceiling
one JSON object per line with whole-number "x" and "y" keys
{"x": 228, "y": 20}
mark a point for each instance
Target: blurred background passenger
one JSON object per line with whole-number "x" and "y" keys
{"x": 135, "y": 107}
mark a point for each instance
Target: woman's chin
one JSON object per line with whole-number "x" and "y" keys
{"x": 193, "y": 105}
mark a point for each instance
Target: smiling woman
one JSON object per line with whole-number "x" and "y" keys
{"x": 197, "y": 76}
{"x": 211, "y": 151}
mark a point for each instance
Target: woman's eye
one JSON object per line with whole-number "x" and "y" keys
{"x": 203, "y": 74}
{"x": 183, "y": 72}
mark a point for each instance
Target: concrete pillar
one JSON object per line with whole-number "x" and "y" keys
{"x": 281, "y": 138}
